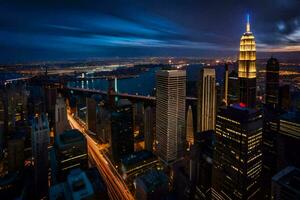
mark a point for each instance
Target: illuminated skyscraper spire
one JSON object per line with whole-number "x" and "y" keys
{"x": 248, "y": 23}
{"x": 247, "y": 67}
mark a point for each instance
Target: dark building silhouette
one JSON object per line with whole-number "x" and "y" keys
{"x": 202, "y": 163}
{"x": 270, "y": 135}
{"x": 288, "y": 140}
{"x": 40, "y": 140}
{"x": 152, "y": 185}
{"x": 80, "y": 185}
{"x": 70, "y": 152}
{"x": 271, "y": 125}
{"x": 91, "y": 114}
{"x": 149, "y": 118}
{"x": 238, "y": 153}
{"x": 284, "y": 97}
{"x": 233, "y": 87}
{"x": 122, "y": 138}
{"x": 286, "y": 184}
{"x": 15, "y": 158}
{"x": 272, "y": 83}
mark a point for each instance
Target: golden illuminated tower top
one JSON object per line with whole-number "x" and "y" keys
{"x": 247, "y": 68}
{"x": 247, "y": 56}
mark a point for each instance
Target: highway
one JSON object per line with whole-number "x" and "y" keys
{"x": 117, "y": 188}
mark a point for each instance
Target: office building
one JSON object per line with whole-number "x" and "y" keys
{"x": 202, "y": 164}
{"x": 80, "y": 185}
{"x": 206, "y": 108}
{"x": 138, "y": 115}
{"x": 170, "y": 113}
{"x": 50, "y": 101}
{"x": 270, "y": 134}
{"x": 286, "y": 184}
{"x": 226, "y": 76}
{"x": 272, "y": 83}
{"x": 238, "y": 153}
{"x": 271, "y": 124}
{"x": 284, "y": 97}
{"x": 288, "y": 140}
{"x": 91, "y": 114}
{"x": 136, "y": 164}
{"x": 233, "y": 88}
{"x": 15, "y": 158}
{"x": 40, "y": 140}
{"x": 61, "y": 121}
{"x": 2, "y": 124}
{"x": 149, "y": 128}
{"x": 121, "y": 138}
{"x": 247, "y": 68}
{"x": 103, "y": 124}
{"x": 70, "y": 152}
{"x": 152, "y": 185}
{"x": 189, "y": 127}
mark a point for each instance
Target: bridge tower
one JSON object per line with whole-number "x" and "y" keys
{"x": 112, "y": 89}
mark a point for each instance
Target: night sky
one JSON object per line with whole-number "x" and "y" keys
{"x": 79, "y": 29}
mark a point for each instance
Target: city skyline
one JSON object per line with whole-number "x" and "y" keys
{"x": 150, "y": 126}
{"x": 33, "y": 31}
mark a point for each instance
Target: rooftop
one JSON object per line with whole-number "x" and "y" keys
{"x": 291, "y": 117}
{"x": 289, "y": 178}
{"x": 137, "y": 157}
{"x": 153, "y": 179}
{"x": 69, "y": 137}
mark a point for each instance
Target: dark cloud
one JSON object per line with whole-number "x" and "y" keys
{"x": 57, "y": 29}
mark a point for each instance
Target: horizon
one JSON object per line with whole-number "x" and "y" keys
{"x": 55, "y": 31}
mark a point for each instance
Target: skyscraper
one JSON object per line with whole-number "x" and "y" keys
{"x": 226, "y": 84}
{"x": 91, "y": 114}
{"x": 70, "y": 152}
{"x": 247, "y": 68}
{"x": 170, "y": 113}
{"x": 271, "y": 124}
{"x": 149, "y": 128}
{"x": 206, "y": 108}
{"x": 238, "y": 153}
{"x": 272, "y": 83}
{"x": 238, "y": 150}
{"x": 15, "y": 159}
{"x": 121, "y": 138}
{"x": 233, "y": 87}
{"x": 189, "y": 127}
{"x": 40, "y": 140}
{"x": 288, "y": 140}
{"x": 61, "y": 121}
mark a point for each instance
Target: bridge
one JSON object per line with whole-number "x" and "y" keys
{"x": 134, "y": 97}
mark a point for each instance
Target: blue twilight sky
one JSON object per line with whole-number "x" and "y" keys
{"x": 77, "y": 29}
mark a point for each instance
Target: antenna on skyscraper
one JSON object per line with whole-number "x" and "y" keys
{"x": 248, "y": 23}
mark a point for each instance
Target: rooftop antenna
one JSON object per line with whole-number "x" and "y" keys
{"x": 248, "y": 23}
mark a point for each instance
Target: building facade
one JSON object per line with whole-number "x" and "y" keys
{"x": 272, "y": 83}
{"x": 121, "y": 138}
{"x": 61, "y": 121}
{"x": 206, "y": 108}
{"x": 40, "y": 140}
{"x": 238, "y": 154}
{"x": 189, "y": 127}
{"x": 149, "y": 128}
{"x": 170, "y": 113}
{"x": 91, "y": 114}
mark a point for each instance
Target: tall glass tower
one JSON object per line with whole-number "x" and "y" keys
{"x": 247, "y": 67}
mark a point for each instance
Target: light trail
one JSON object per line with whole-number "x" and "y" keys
{"x": 117, "y": 188}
